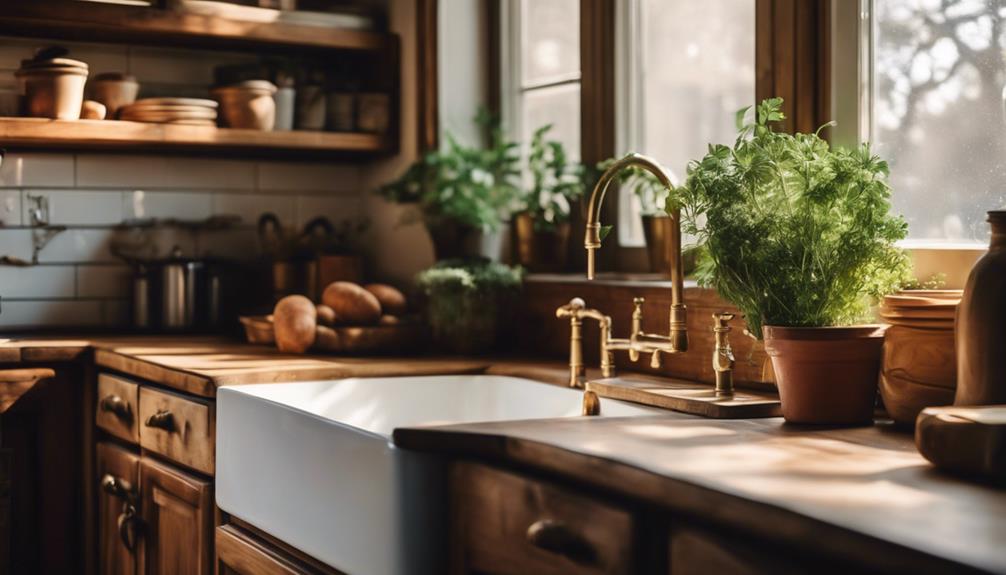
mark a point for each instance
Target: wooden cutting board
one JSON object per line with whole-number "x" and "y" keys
{"x": 688, "y": 397}
{"x": 965, "y": 440}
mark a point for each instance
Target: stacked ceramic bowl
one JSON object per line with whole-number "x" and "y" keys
{"x": 52, "y": 87}
{"x": 247, "y": 105}
{"x": 919, "y": 366}
{"x": 184, "y": 111}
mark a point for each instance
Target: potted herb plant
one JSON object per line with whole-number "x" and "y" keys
{"x": 468, "y": 301}
{"x": 799, "y": 237}
{"x": 464, "y": 193}
{"x": 556, "y": 184}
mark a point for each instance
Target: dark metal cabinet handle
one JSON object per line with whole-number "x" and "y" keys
{"x": 556, "y": 537}
{"x": 162, "y": 420}
{"x": 129, "y": 526}
{"x": 117, "y": 406}
{"x": 116, "y": 486}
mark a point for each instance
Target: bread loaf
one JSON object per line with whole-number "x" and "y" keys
{"x": 352, "y": 304}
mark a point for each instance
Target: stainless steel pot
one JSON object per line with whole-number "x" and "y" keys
{"x": 178, "y": 294}
{"x": 179, "y": 282}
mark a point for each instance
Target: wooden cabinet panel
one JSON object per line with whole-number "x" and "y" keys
{"x": 504, "y": 523}
{"x": 178, "y": 427}
{"x": 177, "y": 512}
{"x": 699, "y": 552}
{"x": 116, "y": 410}
{"x": 240, "y": 553}
{"x": 118, "y": 527}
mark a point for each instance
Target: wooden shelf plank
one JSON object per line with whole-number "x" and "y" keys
{"x": 114, "y": 134}
{"x": 76, "y": 20}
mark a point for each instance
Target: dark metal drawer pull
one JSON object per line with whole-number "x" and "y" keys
{"x": 117, "y": 487}
{"x": 129, "y": 526}
{"x": 162, "y": 420}
{"x": 117, "y": 406}
{"x": 556, "y": 537}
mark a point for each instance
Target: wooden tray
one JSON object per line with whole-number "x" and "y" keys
{"x": 688, "y": 397}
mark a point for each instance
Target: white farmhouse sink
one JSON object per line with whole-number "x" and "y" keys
{"x": 312, "y": 463}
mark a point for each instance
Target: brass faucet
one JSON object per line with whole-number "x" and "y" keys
{"x": 723, "y": 355}
{"x": 677, "y": 340}
{"x": 576, "y": 310}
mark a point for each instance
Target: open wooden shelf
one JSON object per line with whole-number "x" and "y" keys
{"x": 138, "y": 136}
{"x": 89, "y": 21}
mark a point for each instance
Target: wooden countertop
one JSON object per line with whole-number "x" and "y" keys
{"x": 200, "y": 364}
{"x": 865, "y": 491}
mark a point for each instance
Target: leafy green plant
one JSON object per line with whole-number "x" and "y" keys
{"x": 795, "y": 233}
{"x": 468, "y": 185}
{"x": 555, "y": 181}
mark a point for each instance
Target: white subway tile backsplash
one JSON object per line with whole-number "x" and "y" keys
{"x": 116, "y": 312}
{"x": 336, "y": 208}
{"x": 40, "y": 314}
{"x": 103, "y": 281}
{"x": 78, "y": 246}
{"x": 178, "y": 66}
{"x": 250, "y": 206}
{"x": 307, "y": 177}
{"x": 15, "y": 244}
{"x": 168, "y": 205}
{"x": 13, "y": 50}
{"x": 171, "y": 172}
{"x": 37, "y": 170}
{"x": 37, "y": 282}
{"x": 10, "y": 208}
{"x": 79, "y": 207}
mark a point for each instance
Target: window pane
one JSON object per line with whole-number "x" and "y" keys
{"x": 697, "y": 68}
{"x": 559, "y": 106}
{"x": 938, "y": 112}
{"x": 550, "y": 40}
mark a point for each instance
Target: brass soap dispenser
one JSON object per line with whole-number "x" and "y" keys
{"x": 981, "y": 325}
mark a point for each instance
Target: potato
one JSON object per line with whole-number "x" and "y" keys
{"x": 392, "y": 301}
{"x": 389, "y": 320}
{"x": 326, "y": 315}
{"x": 352, "y": 304}
{"x": 294, "y": 321}
{"x": 327, "y": 338}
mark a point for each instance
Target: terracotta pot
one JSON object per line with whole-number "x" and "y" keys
{"x": 452, "y": 240}
{"x": 248, "y": 105}
{"x": 114, "y": 91}
{"x": 981, "y": 325}
{"x": 541, "y": 250}
{"x": 826, "y": 375}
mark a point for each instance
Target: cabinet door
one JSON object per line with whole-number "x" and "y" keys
{"x": 118, "y": 525}
{"x": 177, "y": 510}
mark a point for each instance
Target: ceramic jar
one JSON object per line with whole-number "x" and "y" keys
{"x": 248, "y": 105}
{"x": 53, "y": 88}
{"x": 919, "y": 367}
{"x": 114, "y": 91}
{"x": 981, "y": 325}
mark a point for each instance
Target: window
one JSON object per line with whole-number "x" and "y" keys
{"x": 688, "y": 67}
{"x": 936, "y": 111}
{"x": 541, "y": 70}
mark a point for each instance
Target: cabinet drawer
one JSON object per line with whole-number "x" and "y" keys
{"x": 698, "y": 552}
{"x": 506, "y": 523}
{"x": 117, "y": 407}
{"x": 178, "y": 427}
{"x": 241, "y": 553}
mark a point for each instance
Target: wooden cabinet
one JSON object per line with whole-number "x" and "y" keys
{"x": 505, "y": 523}
{"x": 177, "y": 510}
{"x": 118, "y": 520}
{"x": 179, "y": 427}
{"x": 242, "y": 553}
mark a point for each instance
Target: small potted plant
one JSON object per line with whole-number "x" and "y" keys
{"x": 468, "y": 301}
{"x": 464, "y": 193}
{"x": 799, "y": 237}
{"x": 542, "y": 228}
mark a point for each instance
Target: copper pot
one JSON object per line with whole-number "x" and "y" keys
{"x": 541, "y": 250}
{"x": 826, "y": 375}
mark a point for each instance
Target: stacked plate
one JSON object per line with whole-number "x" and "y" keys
{"x": 185, "y": 111}
{"x": 921, "y": 308}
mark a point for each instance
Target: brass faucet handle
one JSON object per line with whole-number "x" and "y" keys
{"x": 723, "y": 356}
{"x": 638, "y": 301}
{"x": 722, "y": 320}
{"x": 572, "y": 309}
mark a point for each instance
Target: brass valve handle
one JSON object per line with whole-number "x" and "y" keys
{"x": 556, "y": 537}
{"x": 572, "y": 310}
{"x": 723, "y": 355}
{"x": 117, "y": 406}
{"x": 162, "y": 420}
